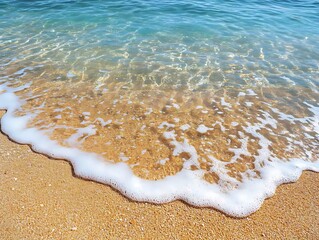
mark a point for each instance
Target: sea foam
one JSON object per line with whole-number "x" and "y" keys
{"x": 186, "y": 185}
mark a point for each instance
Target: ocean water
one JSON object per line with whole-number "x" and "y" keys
{"x": 213, "y": 102}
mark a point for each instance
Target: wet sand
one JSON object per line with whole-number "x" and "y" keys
{"x": 41, "y": 199}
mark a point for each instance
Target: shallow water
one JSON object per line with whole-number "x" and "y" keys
{"x": 212, "y": 102}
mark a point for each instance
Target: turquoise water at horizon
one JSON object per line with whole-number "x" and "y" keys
{"x": 200, "y": 44}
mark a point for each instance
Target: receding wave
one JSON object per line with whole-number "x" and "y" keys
{"x": 212, "y": 119}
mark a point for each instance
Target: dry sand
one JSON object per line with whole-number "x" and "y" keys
{"x": 41, "y": 199}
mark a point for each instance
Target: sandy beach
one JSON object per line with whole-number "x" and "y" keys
{"x": 42, "y": 199}
{"x": 211, "y": 105}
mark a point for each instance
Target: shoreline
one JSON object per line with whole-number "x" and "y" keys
{"x": 42, "y": 199}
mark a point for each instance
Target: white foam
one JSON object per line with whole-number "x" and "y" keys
{"x": 251, "y": 92}
{"x": 224, "y": 103}
{"x": 58, "y": 116}
{"x": 166, "y": 124}
{"x": 185, "y": 127}
{"x": 175, "y": 105}
{"x": 82, "y": 133}
{"x": 222, "y": 128}
{"x": 176, "y": 120}
{"x": 163, "y": 161}
{"x": 70, "y": 74}
{"x": 267, "y": 119}
{"x": 169, "y": 135}
{"x": 186, "y": 185}
{"x": 234, "y": 124}
{"x": 203, "y": 129}
{"x": 104, "y": 123}
{"x": 249, "y": 104}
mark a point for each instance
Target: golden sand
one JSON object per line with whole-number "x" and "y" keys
{"x": 41, "y": 199}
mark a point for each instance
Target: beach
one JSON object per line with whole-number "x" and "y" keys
{"x": 42, "y": 199}
{"x": 159, "y": 119}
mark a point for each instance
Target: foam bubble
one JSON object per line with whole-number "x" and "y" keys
{"x": 203, "y": 129}
{"x": 185, "y": 127}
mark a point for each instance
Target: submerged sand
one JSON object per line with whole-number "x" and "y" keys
{"x": 41, "y": 199}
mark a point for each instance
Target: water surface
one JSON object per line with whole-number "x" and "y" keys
{"x": 212, "y": 102}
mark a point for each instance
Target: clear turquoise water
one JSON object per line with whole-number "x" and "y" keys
{"x": 193, "y": 43}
